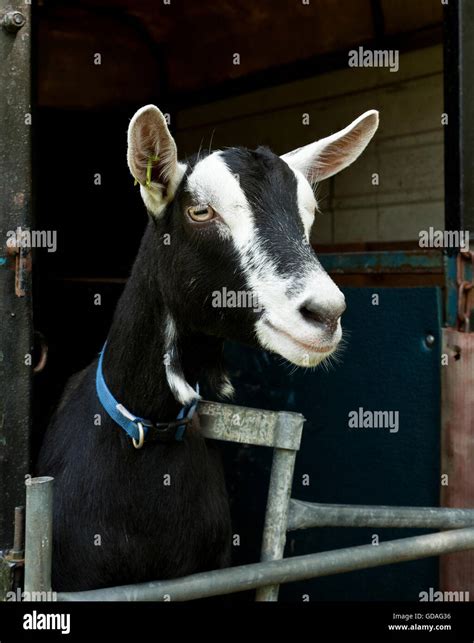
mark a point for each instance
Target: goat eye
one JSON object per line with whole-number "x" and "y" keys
{"x": 201, "y": 213}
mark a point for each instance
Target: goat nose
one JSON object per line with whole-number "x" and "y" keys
{"x": 323, "y": 313}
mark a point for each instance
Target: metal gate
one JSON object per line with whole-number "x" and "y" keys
{"x": 282, "y": 431}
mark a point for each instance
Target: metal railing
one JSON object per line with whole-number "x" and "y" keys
{"x": 282, "y": 431}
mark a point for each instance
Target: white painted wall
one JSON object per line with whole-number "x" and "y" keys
{"x": 407, "y": 152}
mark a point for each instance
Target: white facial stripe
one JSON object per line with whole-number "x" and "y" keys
{"x": 306, "y": 202}
{"x": 211, "y": 182}
{"x": 280, "y": 297}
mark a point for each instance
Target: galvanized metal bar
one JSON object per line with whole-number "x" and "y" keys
{"x": 304, "y": 515}
{"x": 15, "y": 211}
{"x": 240, "y": 579}
{"x": 276, "y": 516}
{"x": 38, "y": 534}
{"x": 250, "y": 426}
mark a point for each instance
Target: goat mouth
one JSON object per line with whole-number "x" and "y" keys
{"x": 312, "y": 348}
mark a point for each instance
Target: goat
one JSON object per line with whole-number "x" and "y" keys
{"x": 235, "y": 220}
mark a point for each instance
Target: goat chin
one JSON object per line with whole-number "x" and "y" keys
{"x": 305, "y": 360}
{"x": 292, "y": 350}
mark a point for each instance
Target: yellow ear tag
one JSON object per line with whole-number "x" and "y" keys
{"x": 151, "y": 160}
{"x": 149, "y": 167}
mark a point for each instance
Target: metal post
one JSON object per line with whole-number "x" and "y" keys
{"x": 459, "y": 105}
{"x": 15, "y": 278}
{"x": 276, "y": 517}
{"x": 38, "y": 534}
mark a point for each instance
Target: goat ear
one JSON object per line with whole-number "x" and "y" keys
{"x": 328, "y": 156}
{"x": 152, "y": 158}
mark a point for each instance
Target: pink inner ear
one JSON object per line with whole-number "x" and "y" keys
{"x": 149, "y": 139}
{"x": 146, "y": 144}
{"x": 340, "y": 153}
{"x": 326, "y": 157}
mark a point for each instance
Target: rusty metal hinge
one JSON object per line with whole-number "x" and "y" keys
{"x": 22, "y": 256}
{"x": 465, "y": 259}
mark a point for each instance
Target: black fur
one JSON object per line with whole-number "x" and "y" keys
{"x": 108, "y": 492}
{"x": 115, "y": 521}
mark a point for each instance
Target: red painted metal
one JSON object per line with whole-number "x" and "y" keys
{"x": 457, "y": 570}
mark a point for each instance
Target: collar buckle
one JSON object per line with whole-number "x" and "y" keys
{"x": 141, "y": 440}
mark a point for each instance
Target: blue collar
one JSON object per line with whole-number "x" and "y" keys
{"x": 136, "y": 427}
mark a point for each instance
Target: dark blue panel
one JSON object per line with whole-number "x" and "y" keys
{"x": 386, "y": 365}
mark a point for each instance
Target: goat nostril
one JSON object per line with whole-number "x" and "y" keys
{"x": 313, "y": 314}
{"x": 323, "y": 315}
